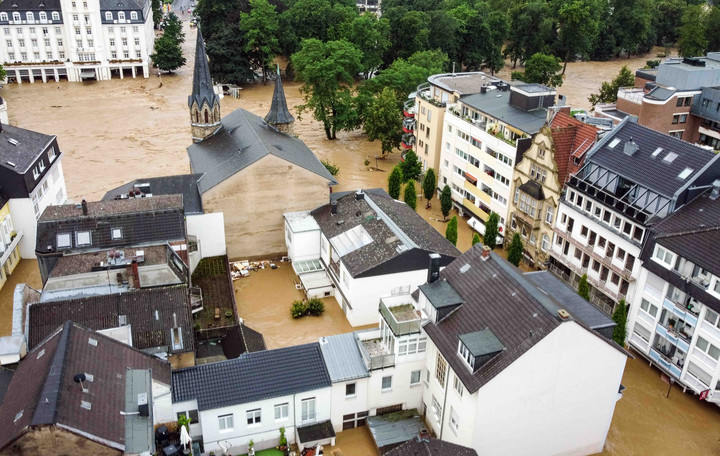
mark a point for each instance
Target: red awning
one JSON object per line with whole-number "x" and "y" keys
{"x": 472, "y": 179}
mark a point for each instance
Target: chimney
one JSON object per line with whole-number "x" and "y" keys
{"x": 84, "y": 207}
{"x": 333, "y": 207}
{"x": 136, "y": 274}
{"x": 434, "y": 268}
{"x": 485, "y": 252}
{"x": 715, "y": 189}
{"x": 359, "y": 195}
{"x": 630, "y": 147}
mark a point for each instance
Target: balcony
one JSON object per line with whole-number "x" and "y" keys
{"x": 400, "y": 314}
{"x": 479, "y": 213}
{"x": 9, "y": 248}
{"x": 408, "y": 125}
{"x": 374, "y": 352}
{"x": 477, "y": 191}
{"x": 683, "y": 322}
{"x": 408, "y": 141}
{"x": 528, "y": 220}
{"x": 669, "y": 364}
{"x": 196, "y": 299}
{"x": 631, "y": 94}
{"x": 409, "y": 108}
{"x": 605, "y": 260}
{"x": 424, "y": 91}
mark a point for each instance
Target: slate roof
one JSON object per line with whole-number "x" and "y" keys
{"x": 342, "y": 358}
{"x": 653, "y": 173}
{"x": 184, "y": 184}
{"x": 660, "y": 93}
{"x": 383, "y": 218}
{"x": 44, "y": 391}
{"x": 316, "y": 432}
{"x": 496, "y": 104}
{"x": 31, "y": 145}
{"x": 496, "y": 297}
{"x": 31, "y": 5}
{"x": 123, "y": 5}
{"x": 441, "y": 294}
{"x": 430, "y": 447}
{"x": 142, "y": 220}
{"x": 103, "y": 312}
{"x": 279, "y": 113}
{"x": 255, "y": 376}
{"x": 6, "y": 376}
{"x": 241, "y": 339}
{"x": 693, "y": 232}
{"x": 202, "y": 88}
{"x": 243, "y": 139}
{"x": 533, "y": 189}
{"x": 571, "y": 138}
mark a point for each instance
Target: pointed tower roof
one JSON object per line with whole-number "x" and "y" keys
{"x": 202, "y": 90}
{"x": 279, "y": 113}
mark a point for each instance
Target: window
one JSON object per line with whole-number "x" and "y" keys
{"x": 253, "y": 417}
{"x": 112, "y": 41}
{"x": 90, "y": 43}
{"x": 11, "y": 56}
{"x": 55, "y": 16}
{"x": 440, "y": 369}
{"x": 108, "y": 16}
{"x": 387, "y": 383}
{"x": 649, "y": 307}
{"x": 350, "y": 390}
{"x": 135, "y": 29}
{"x": 458, "y": 386}
{"x": 124, "y": 41}
{"x": 308, "y": 409}
{"x": 454, "y": 420}
{"x": 82, "y": 238}
{"x": 122, "y": 29}
{"x": 663, "y": 255}
{"x": 192, "y": 414}
{"x": 436, "y": 409}
{"x": 706, "y": 347}
{"x": 545, "y": 242}
{"x": 77, "y": 30}
{"x": 281, "y": 412}
{"x": 126, "y": 54}
{"x": 133, "y": 15}
{"x": 7, "y": 31}
{"x": 59, "y": 42}
{"x": 680, "y": 102}
{"x": 116, "y": 233}
{"x": 549, "y": 213}
{"x": 137, "y": 41}
{"x": 225, "y": 423}
{"x": 43, "y": 16}
{"x": 63, "y": 240}
{"x": 9, "y": 43}
{"x": 47, "y": 43}
{"x": 412, "y": 345}
{"x": 30, "y": 16}
{"x": 113, "y": 54}
{"x": 21, "y": 43}
{"x": 415, "y": 377}
{"x": 88, "y": 31}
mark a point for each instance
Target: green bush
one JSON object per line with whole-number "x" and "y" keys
{"x": 315, "y": 307}
{"x": 298, "y": 309}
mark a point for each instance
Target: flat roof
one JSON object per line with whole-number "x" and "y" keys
{"x": 462, "y": 83}
{"x": 496, "y": 104}
{"x": 395, "y": 427}
{"x": 301, "y": 221}
{"x": 342, "y": 357}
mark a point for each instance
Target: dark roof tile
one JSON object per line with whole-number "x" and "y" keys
{"x": 184, "y": 184}
{"x": 430, "y": 447}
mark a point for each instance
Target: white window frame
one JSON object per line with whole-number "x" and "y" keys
{"x": 282, "y": 411}
{"x": 382, "y": 383}
{"x": 253, "y": 417}
{"x": 82, "y": 233}
{"x": 64, "y": 236}
{"x": 419, "y": 377}
{"x": 226, "y": 423}
{"x": 458, "y": 386}
{"x": 308, "y": 412}
{"x": 354, "y": 390}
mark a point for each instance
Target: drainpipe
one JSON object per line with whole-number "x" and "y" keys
{"x": 442, "y": 417}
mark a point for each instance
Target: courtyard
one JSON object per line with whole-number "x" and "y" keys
{"x": 25, "y": 272}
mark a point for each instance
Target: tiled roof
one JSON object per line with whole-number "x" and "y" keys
{"x": 342, "y": 358}
{"x": 31, "y": 144}
{"x": 387, "y": 222}
{"x": 496, "y": 297}
{"x": 243, "y": 139}
{"x": 42, "y": 391}
{"x": 124, "y": 5}
{"x": 571, "y": 138}
{"x": 654, "y": 173}
{"x": 184, "y": 184}
{"x": 5, "y": 378}
{"x": 255, "y": 376}
{"x": 141, "y": 220}
{"x": 693, "y": 232}
{"x": 430, "y": 447}
{"x": 103, "y": 312}
{"x": 30, "y": 5}
{"x": 533, "y": 189}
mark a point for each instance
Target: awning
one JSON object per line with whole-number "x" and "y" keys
{"x": 316, "y": 432}
{"x": 87, "y": 74}
{"x": 472, "y": 179}
{"x": 304, "y": 266}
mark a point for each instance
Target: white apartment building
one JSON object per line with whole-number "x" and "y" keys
{"x": 631, "y": 178}
{"x": 75, "y": 39}
{"x": 484, "y": 136}
{"x": 674, "y": 319}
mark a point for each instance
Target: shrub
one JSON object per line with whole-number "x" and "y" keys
{"x": 183, "y": 421}
{"x": 445, "y": 201}
{"x": 476, "y": 239}
{"x": 515, "y": 251}
{"x": 620, "y": 317}
{"x": 367, "y": 162}
{"x": 315, "y": 307}
{"x": 584, "y": 287}
{"x": 410, "y": 195}
{"x": 331, "y": 167}
{"x": 298, "y": 309}
{"x": 395, "y": 181}
{"x": 451, "y": 233}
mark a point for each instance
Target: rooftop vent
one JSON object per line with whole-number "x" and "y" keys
{"x": 630, "y": 147}
{"x": 14, "y": 142}
{"x": 670, "y": 157}
{"x": 485, "y": 252}
{"x": 92, "y": 341}
{"x": 564, "y": 314}
{"x": 465, "y": 268}
{"x": 86, "y": 405}
{"x": 18, "y": 415}
{"x": 359, "y": 195}
{"x": 657, "y": 152}
{"x": 10, "y": 163}
{"x": 715, "y": 189}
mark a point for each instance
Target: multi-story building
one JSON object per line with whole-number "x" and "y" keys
{"x": 674, "y": 319}
{"x": 632, "y": 175}
{"x": 373, "y": 6}
{"x": 425, "y": 113}
{"x": 75, "y": 39}
{"x": 484, "y": 135}
{"x": 31, "y": 179}
{"x": 10, "y": 254}
{"x": 557, "y": 151}
{"x": 679, "y": 97}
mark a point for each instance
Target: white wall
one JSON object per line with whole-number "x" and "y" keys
{"x": 210, "y": 232}
{"x": 401, "y": 391}
{"x": 344, "y": 405}
{"x": 162, "y": 403}
{"x": 304, "y": 245}
{"x": 185, "y": 408}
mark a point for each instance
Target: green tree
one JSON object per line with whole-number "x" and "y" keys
{"x": 403, "y": 76}
{"x": 168, "y": 55}
{"x": 609, "y": 90}
{"x": 172, "y": 28}
{"x": 619, "y": 316}
{"x": 328, "y": 70}
{"x": 692, "y": 42}
{"x": 578, "y": 28}
{"x": 445, "y": 201}
{"x": 451, "y": 233}
{"x": 429, "y": 185}
{"x": 530, "y": 29}
{"x": 227, "y": 65}
{"x": 382, "y": 120}
{"x": 491, "y": 230}
{"x": 410, "y": 195}
{"x": 516, "y": 249}
{"x": 370, "y": 35}
{"x": 631, "y": 24}
{"x": 584, "y": 287}
{"x": 666, "y": 21}
{"x": 541, "y": 69}
{"x": 323, "y": 20}
{"x": 3, "y": 73}
{"x": 157, "y": 12}
{"x": 332, "y": 168}
{"x": 411, "y": 166}
{"x": 395, "y": 181}
{"x": 476, "y": 239}
{"x": 409, "y": 32}
{"x": 712, "y": 29}
{"x": 260, "y": 28}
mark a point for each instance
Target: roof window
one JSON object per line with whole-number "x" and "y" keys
{"x": 82, "y": 238}
{"x": 657, "y": 152}
{"x": 64, "y": 241}
{"x": 116, "y": 233}
{"x": 614, "y": 143}
{"x": 685, "y": 173}
{"x": 670, "y": 157}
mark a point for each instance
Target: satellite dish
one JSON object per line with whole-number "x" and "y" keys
{"x": 79, "y": 378}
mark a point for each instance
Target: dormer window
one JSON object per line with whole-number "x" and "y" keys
{"x": 64, "y": 241}
{"x": 108, "y": 15}
{"x": 133, "y": 15}
{"x": 478, "y": 348}
{"x": 465, "y": 354}
{"x": 3, "y": 17}
{"x": 82, "y": 238}
{"x": 16, "y": 16}
{"x": 30, "y": 16}
{"x": 116, "y": 233}
{"x": 121, "y": 16}
{"x": 43, "y": 16}
{"x": 55, "y": 16}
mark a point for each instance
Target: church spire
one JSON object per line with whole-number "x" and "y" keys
{"x": 279, "y": 116}
{"x": 204, "y": 104}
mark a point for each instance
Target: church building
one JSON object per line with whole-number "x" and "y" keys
{"x": 251, "y": 169}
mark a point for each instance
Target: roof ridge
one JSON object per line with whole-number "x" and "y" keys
{"x": 687, "y": 232}
{"x": 52, "y": 389}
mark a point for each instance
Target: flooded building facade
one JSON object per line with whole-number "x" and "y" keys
{"x": 75, "y": 40}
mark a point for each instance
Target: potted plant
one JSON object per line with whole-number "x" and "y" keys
{"x": 251, "y": 448}
{"x": 671, "y": 323}
{"x": 283, "y": 446}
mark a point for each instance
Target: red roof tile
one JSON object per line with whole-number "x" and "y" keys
{"x": 572, "y": 139}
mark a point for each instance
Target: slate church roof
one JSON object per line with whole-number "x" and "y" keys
{"x": 202, "y": 91}
{"x": 279, "y": 113}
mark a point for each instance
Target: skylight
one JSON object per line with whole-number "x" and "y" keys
{"x": 116, "y": 233}
{"x": 63, "y": 240}
{"x": 82, "y": 238}
{"x": 351, "y": 240}
{"x": 685, "y": 173}
{"x": 670, "y": 157}
{"x": 614, "y": 143}
{"x": 657, "y": 152}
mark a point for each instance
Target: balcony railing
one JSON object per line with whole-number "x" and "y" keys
{"x": 374, "y": 353}
{"x": 527, "y": 219}
{"x": 666, "y": 363}
{"x": 10, "y": 248}
{"x": 409, "y": 108}
{"x": 631, "y": 94}
{"x": 424, "y": 91}
{"x": 196, "y": 299}
{"x": 590, "y": 250}
{"x": 400, "y": 314}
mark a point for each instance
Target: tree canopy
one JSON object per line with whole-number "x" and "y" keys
{"x": 451, "y": 232}
{"x": 410, "y": 195}
{"x": 168, "y": 54}
{"x": 491, "y": 230}
{"x": 395, "y": 181}
{"x": 541, "y": 69}
{"x": 382, "y": 120}
{"x": 260, "y": 27}
{"x": 429, "y": 185}
{"x": 445, "y": 201}
{"x": 609, "y": 90}
{"x": 516, "y": 249}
